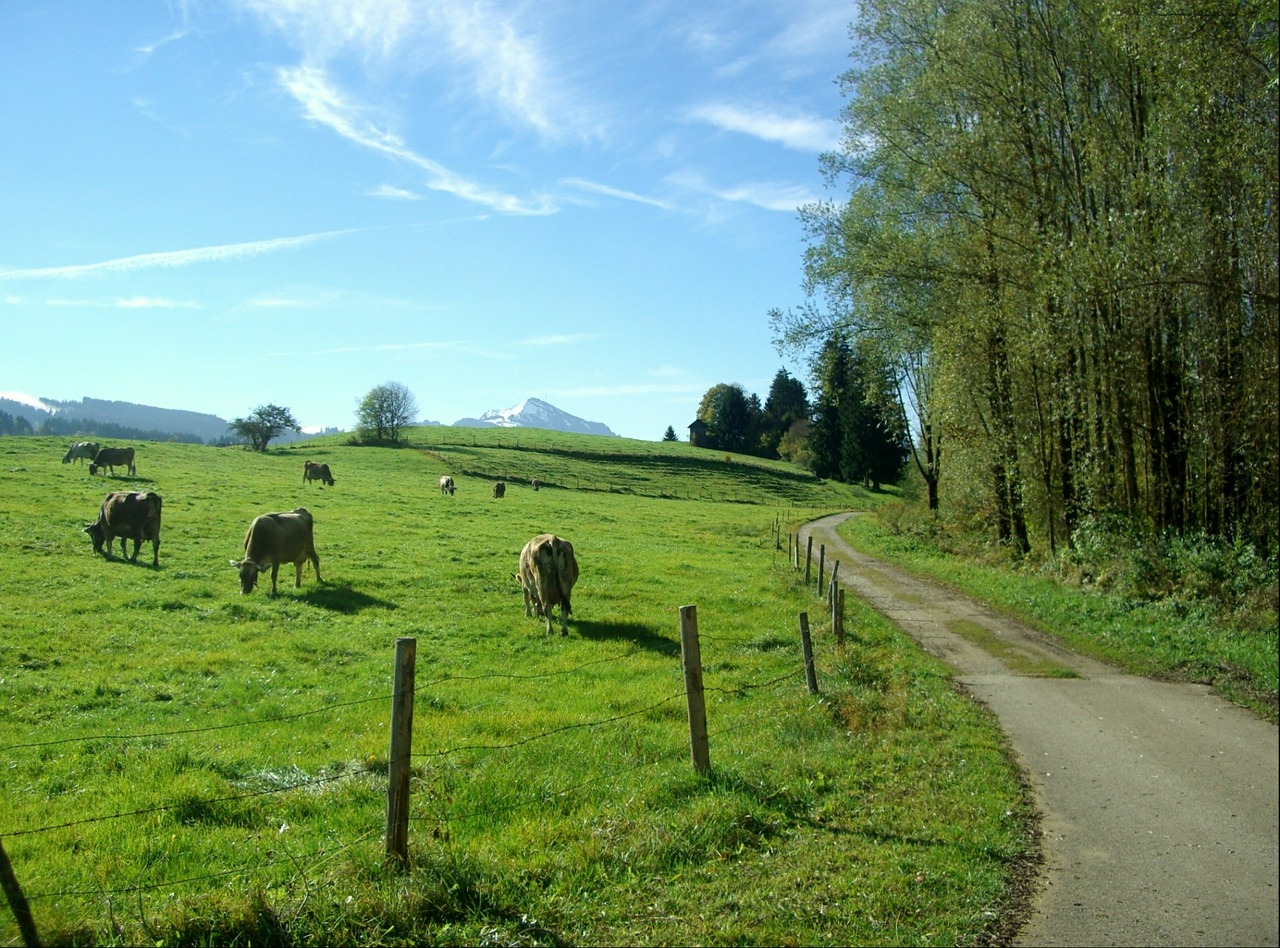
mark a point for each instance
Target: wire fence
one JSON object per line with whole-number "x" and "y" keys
{"x": 374, "y": 771}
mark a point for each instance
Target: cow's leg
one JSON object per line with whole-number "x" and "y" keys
{"x": 155, "y": 552}
{"x": 297, "y": 574}
{"x": 137, "y": 542}
{"x": 315, "y": 563}
{"x": 275, "y": 571}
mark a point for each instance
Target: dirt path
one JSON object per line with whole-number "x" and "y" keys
{"x": 1158, "y": 801}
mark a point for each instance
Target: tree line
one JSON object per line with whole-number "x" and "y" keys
{"x": 17, "y": 426}
{"x": 1059, "y": 238}
{"x": 852, "y": 431}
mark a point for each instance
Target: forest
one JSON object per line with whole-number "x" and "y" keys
{"x": 1056, "y": 228}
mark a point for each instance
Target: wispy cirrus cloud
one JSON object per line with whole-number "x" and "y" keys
{"x": 618, "y": 193}
{"x": 172, "y": 258}
{"x": 476, "y": 41}
{"x": 322, "y": 102}
{"x": 798, "y": 132}
{"x": 392, "y": 193}
{"x": 769, "y": 195}
{"x": 563, "y": 339}
{"x": 133, "y": 302}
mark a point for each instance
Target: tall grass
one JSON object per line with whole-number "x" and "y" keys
{"x": 184, "y": 764}
{"x": 1187, "y": 608}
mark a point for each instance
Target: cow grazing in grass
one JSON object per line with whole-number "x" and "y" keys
{"x": 446, "y": 485}
{"x": 535, "y": 483}
{"x": 312, "y": 471}
{"x": 129, "y": 516}
{"x": 113, "y": 458}
{"x": 80, "y": 450}
{"x": 548, "y": 571}
{"x": 277, "y": 538}
{"x": 500, "y": 489}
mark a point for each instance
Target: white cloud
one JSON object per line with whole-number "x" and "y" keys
{"x": 391, "y": 192}
{"x": 25, "y": 399}
{"x": 323, "y": 103}
{"x": 154, "y": 302}
{"x": 560, "y": 340}
{"x": 172, "y": 258}
{"x": 798, "y": 132}
{"x": 474, "y": 39}
{"x": 771, "y": 196}
{"x": 608, "y": 191}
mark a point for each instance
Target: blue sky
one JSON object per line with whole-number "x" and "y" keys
{"x": 216, "y": 204}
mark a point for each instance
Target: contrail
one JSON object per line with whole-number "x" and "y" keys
{"x": 173, "y": 258}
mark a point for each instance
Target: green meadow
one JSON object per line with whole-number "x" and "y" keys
{"x": 186, "y": 765}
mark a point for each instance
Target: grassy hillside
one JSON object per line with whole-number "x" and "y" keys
{"x": 184, "y": 764}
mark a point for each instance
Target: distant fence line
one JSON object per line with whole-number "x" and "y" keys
{"x": 396, "y": 830}
{"x": 606, "y": 485}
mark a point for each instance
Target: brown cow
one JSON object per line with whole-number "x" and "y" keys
{"x": 548, "y": 570}
{"x": 500, "y": 489}
{"x": 277, "y": 538}
{"x": 311, "y": 471}
{"x": 113, "y": 458}
{"x": 129, "y": 516}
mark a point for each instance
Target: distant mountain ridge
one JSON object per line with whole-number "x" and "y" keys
{"x": 530, "y": 413}
{"x": 143, "y": 418}
{"x": 535, "y": 413}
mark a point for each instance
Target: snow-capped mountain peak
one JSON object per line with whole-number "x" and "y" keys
{"x": 535, "y": 413}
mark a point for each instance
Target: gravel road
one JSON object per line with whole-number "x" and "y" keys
{"x": 1158, "y": 801}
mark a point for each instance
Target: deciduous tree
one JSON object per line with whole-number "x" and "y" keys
{"x": 265, "y": 424}
{"x": 385, "y": 411}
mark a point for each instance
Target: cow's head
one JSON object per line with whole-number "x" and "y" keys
{"x": 249, "y": 571}
{"x": 93, "y": 468}
{"x": 96, "y": 535}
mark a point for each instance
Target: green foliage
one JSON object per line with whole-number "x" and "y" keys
{"x": 1191, "y": 609}
{"x": 188, "y": 765}
{"x": 385, "y": 412}
{"x": 264, "y": 425}
{"x": 1058, "y": 223}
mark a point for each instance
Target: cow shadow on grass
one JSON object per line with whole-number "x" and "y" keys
{"x": 341, "y": 597}
{"x": 641, "y": 635}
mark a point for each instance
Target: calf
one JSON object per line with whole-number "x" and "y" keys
{"x": 129, "y": 516}
{"x": 548, "y": 570}
{"x": 277, "y": 538}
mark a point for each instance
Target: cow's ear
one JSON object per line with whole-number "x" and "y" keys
{"x": 235, "y": 564}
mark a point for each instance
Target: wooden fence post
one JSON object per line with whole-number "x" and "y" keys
{"x": 839, "y": 607}
{"x": 835, "y": 573}
{"x": 822, "y": 565}
{"x": 401, "y": 751}
{"x": 691, "y": 652}
{"x": 808, "y": 558}
{"x": 810, "y": 675}
{"x": 17, "y": 902}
